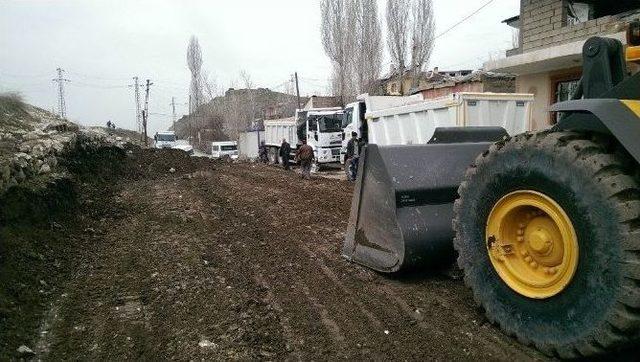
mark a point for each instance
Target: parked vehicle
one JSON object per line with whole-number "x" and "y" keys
{"x": 224, "y": 148}
{"x": 166, "y": 139}
{"x": 184, "y": 146}
{"x": 544, "y": 224}
{"x": 321, "y": 127}
{"x": 390, "y": 120}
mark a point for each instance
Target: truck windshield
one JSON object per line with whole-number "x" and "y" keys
{"x": 331, "y": 123}
{"x": 347, "y": 117}
{"x": 229, "y": 148}
{"x": 166, "y": 137}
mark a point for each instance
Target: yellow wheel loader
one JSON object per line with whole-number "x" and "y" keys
{"x": 546, "y": 225}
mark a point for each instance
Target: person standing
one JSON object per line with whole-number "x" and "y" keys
{"x": 285, "y": 151}
{"x": 351, "y": 158}
{"x": 304, "y": 156}
{"x": 262, "y": 152}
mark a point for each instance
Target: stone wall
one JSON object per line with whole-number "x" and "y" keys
{"x": 33, "y": 142}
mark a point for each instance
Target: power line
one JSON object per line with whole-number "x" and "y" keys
{"x": 99, "y": 86}
{"x": 94, "y": 77}
{"x": 464, "y": 19}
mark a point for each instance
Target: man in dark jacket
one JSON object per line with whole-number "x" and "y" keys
{"x": 263, "y": 152}
{"x": 351, "y": 158}
{"x": 304, "y": 156}
{"x": 285, "y": 151}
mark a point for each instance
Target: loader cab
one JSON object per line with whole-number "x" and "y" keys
{"x": 353, "y": 121}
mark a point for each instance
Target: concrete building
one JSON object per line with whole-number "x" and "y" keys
{"x": 549, "y": 35}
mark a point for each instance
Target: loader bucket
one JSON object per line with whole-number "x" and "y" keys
{"x": 402, "y": 205}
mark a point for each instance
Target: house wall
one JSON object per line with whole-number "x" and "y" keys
{"x": 543, "y": 24}
{"x": 461, "y": 87}
{"x": 538, "y": 85}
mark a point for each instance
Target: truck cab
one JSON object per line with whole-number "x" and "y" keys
{"x": 166, "y": 139}
{"x": 353, "y": 121}
{"x": 322, "y": 128}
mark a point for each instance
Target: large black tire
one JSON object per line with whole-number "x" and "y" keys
{"x": 599, "y": 311}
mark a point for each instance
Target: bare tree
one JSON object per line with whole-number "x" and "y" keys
{"x": 397, "y": 37}
{"x": 367, "y": 44}
{"x": 194, "y": 61}
{"x": 335, "y": 40}
{"x": 411, "y": 32}
{"x": 422, "y": 36}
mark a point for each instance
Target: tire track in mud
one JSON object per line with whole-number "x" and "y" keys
{"x": 247, "y": 258}
{"x": 387, "y": 293}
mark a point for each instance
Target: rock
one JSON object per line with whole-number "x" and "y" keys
{"x": 45, "y": 168}
{"x": 38, "y": 151}
{"x": 33, "y": 135}
{"x": 52, "y": 161}
{"x": 205, "y": 343}
{"x": 25, "y": 148}
{"x": 25, "y": 352}
{"x": 172, "y": 170}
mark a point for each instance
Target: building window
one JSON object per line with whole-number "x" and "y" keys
{"x": 585, "y": 10}
{"x": 578, "y": 12}
{"x": 563, "y": 89}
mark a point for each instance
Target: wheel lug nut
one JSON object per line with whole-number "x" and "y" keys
{"x": 524, "y": 253}
{"x": 521, "y": 225}
{"x": 520, "y": 232}
{"x": 527, "y": 259}
{"x": 520, "y": 238}
{"x": 533, "y": 264}
{"x": 553, "y": 270}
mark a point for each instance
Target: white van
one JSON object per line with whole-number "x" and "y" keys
{"x": 224, "y": 148}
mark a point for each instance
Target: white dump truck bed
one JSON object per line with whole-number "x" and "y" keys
{"x": 277, "y": 129}
{"x": 413, "y": 120}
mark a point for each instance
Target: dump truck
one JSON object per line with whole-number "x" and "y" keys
{"x": 321, "y": 127}
{"x": 394, "y": 120}
{"x": 545, "y": 225}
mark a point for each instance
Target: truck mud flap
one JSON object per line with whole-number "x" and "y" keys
{"x": 402, "y": 205}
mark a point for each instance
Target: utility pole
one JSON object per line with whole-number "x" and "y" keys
{"x": 297, "y": 90}
{"x": 62, "y": 107}
{"x": 145, "y": 112}
{"x": 173, "y": 108}
{"x": 136, "y": 92}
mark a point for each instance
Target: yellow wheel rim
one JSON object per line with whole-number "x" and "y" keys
{"x": 532, "y": 244}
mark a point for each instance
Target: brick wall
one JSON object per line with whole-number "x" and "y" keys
{"x": 543, "y": 24}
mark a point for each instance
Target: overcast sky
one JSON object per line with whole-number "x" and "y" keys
{"x": 103, "y": 44}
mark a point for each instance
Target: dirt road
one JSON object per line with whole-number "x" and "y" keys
{"x": 242, "y": 261}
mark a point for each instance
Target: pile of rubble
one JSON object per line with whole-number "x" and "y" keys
{"x": 33, "y": 141}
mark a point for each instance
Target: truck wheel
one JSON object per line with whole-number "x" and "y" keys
{"x": 548, "y": 235}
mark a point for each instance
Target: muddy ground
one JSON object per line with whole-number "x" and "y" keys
{"x": 242, "y": 261}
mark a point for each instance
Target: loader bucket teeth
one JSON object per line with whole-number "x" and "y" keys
{"x": 402, "y": 204}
